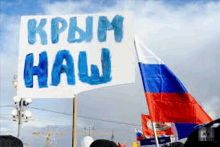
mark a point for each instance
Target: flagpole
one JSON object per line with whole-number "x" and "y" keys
{"x": 153, "y": 124}
{"x": 155, "y": 134}
{"x": 74, "y": 121}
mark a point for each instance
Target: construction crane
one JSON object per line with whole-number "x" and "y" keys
{"x": 90, "y": 128}
{"x": 95, "y": 134}
{"x": 48, "y": 134}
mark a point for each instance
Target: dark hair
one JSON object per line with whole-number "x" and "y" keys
{"x": 10, "y": 141}
{"x": 103, "y": 143}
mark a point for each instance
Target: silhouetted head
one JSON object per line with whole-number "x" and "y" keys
{"x": 10, "y": 141}
{"x": 103, "y": 143}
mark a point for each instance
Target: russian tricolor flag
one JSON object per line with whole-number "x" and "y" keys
{"x": 167, "y": 98}
{"x": 138, "y": 135}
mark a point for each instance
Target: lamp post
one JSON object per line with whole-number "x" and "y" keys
{"x": 20, "y": 113}
{"x": 89, "y": 127}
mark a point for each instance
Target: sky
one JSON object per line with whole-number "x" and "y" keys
{"x": 183, "y": 33}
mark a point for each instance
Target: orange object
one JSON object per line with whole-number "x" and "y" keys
{"x": 162, "y": 128}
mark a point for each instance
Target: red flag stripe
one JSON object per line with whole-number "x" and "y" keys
{"x": 175, "y": 107}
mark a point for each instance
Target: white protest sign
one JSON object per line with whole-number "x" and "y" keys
{"x": 60, "y": 56}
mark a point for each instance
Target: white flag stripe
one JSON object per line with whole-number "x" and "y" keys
{"x": 145, "y": 55}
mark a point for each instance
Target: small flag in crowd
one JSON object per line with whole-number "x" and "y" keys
{"x": 139, "y": 135}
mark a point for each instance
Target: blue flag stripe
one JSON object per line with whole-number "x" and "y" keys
{"x": 184, "y": 129}
{"x": 157, "y": 78}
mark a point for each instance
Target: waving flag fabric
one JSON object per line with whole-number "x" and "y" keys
{"x": 162, "y": 128}
{"x": 167, "y": 98}
{"x": 138, "y": 135}
{"x": 119, "y": 144}
{"x": 124, "y": 145}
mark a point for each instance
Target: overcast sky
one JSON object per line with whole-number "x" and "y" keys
{"x": 185, "y": 34}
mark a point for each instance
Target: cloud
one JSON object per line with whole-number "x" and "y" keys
{"x": 8, "y": 128}
{"x": 68, "y": 7}
{"x": 212, "y": 107}
{"x": 185, "y": 37}
{"x": 9, "y": 43}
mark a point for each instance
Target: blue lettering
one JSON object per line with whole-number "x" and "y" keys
{"x": 116, "y": 25}
{"x": 33, "y": 30}
{"x": 83, "y": 36}
{"x": 59, "y": 68}
{"x": 55, "y": 31}
{"x": 89, "y": 29}
{"x": 95, "y": 77}
{"x": 41, "y": 70}
{"x": 104, "y": 25}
